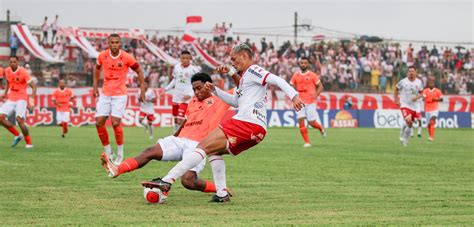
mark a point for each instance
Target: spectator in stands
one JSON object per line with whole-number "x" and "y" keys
{"x": 13, "y": 45}
{"x": 79, "y": 60}
{"x": 54, "y": 27}
{"x": 264, "y": 45}
{"x": 89, "y": 69}
{"x": 215, "y": 33}
{"x": 230, "y": 34}
{"x": 47, "y": 78}
{"x": 222, "y": 32}
{"x": 45, "y": 28}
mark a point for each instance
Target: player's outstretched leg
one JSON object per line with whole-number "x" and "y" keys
{"x": 130, "y": 164}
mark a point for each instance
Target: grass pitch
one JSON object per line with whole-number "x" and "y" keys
{"x": 354, "y": 176}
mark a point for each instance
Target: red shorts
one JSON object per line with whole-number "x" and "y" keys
{"x": 241, "y": 135}
{"x": 149, "y": 117}
{"x": 179, "y": 109}
{"x": 408, "y": 113}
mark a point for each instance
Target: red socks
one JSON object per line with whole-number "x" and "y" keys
{"x": 103, "y": 135}
{"x": 28, "y": 140}
{"x": 13, "y": 131}
{"x": 431, "y": 128}
{"x": 315, "y": 124}
{"x": 210, "y": 187}
{"x": 128, "y": 165}
{"x": 64, "y": 125}
{"x": 118, "y": 131}
{"x": 304, "y": 132}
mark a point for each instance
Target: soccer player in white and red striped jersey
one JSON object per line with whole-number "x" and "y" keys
{"x": 147, "y": 111}
{"x": 183, "y": 90}
{"x": 407, "y": 93}
{"x": 244, "y": 130}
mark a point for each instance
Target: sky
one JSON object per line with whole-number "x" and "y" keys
{"x": 448, "y": 21}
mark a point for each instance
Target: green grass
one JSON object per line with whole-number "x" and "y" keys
{"x": 355, "y": 176}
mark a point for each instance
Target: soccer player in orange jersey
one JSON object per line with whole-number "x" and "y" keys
{"x": 203, "y": 115}
{"x": 16, "y": 94}
{"x": 114, "y": 63}
{"x": 1, "y": 77}
{"x": 309, "y": 87}
{"x": 432, "y": 97}
{"x": 62, "y": 98}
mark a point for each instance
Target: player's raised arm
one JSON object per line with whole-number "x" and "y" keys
{"x": 285, "y": 87}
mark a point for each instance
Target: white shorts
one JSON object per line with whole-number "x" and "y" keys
{"x": 309, "y": 112}
{"x": 62, "y": 117}
{"x": 175, "y": 148}
{"x": 111, "y": 105}
{"x": 18, "y": 106}
{"x": 431, "y": 114}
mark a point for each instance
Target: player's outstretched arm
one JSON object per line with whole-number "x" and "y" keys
{"x": 285, "y": 87}
{"x": 231, "y": 100}
{"x": 170, "y": 85}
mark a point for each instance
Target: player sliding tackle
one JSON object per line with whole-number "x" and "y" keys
{"x": 203, "y": 114}
{"x": 245, "y": 130}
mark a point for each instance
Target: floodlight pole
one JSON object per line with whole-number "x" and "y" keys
{"x": 296, "y": 27}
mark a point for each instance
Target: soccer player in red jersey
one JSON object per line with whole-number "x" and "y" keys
{"x": 114, "y": 63}
{"x": 62, "y": 98}
{"x": 309, "y": 87}
{"x": 16, "y": 94}
{"x": 432, "y": 97}
{"x": 244, "y": 130}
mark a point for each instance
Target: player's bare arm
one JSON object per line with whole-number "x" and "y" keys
{"x": 33, "y": 94}
{"x": 396, "y": 96}
{"x": 141, "y": 80}
{"x": 319, "y": 88}
{"x": 96, "y": 81}
{"x": 7, "y": 88}
{"x": 181, "y": 126}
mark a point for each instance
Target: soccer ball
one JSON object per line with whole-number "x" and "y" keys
{"x": 154, "y": 195}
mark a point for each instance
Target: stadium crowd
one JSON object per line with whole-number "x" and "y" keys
{"x": 343, "y": 65}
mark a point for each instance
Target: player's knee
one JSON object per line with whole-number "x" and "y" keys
{"x": 188, "y": 181}
{"x": 115, "y": 124}
{"x": 153, "y": 152}
{"x": 2, "y": 117}
{"x": 99, "y": 122}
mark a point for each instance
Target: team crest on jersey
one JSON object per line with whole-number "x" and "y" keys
{"x": 120, "y": 64}
{"x": 17, "y": 79}
{"x": 210, "y": 102}
{"x": 257, "y": 138}
{"x": 232, "y": 139}
{"x": 238, "y": 92}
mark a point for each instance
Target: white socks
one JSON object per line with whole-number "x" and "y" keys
{"x": 150, "y": 130}
{"x": 119, "y": 158}
{"x": 218, "y": 172}
{"x": 108, "y": 150}
{"x": 189, "y": 161}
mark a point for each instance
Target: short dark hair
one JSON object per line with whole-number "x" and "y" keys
{"x": 15, "y": 57}
{"x": 114, "y": 35}
{"x": 304, "y": 58}
{"x": 203, "y": 77}
{"x": 185, "y": 52}
{"x": 412, "y": 67}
